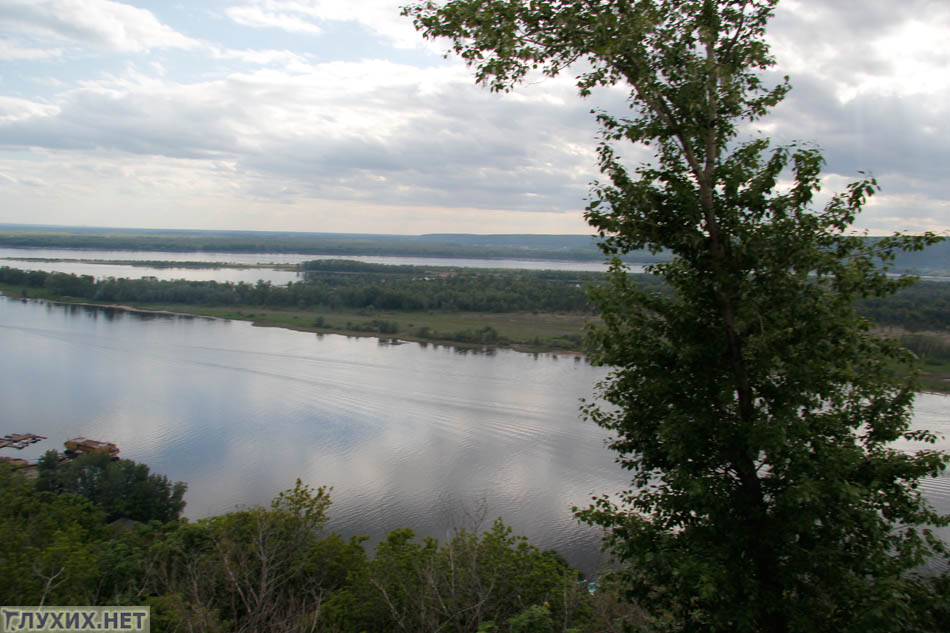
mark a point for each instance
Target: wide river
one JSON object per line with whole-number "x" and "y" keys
{"x": 408, "y": 435}
{"x": 110, "y": 266}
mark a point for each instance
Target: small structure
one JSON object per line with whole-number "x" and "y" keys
{"x": 82, "y": 445}
{"x": 19, "y": 440}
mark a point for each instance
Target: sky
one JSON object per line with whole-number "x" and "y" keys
{"x": 336, "y": 116}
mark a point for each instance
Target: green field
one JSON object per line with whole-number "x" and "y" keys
{"x": 518, "y": 330}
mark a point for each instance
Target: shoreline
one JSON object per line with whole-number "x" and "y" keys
{"x": 937, "y": 382}
{"x": 393, "y": 338}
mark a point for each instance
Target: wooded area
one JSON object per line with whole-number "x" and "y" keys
{"x": 334, "y": 284}
{"x": 274, "y": 568}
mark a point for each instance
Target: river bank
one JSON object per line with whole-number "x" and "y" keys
{"x": 520, "y": 331}
{"x": 527, "y": 332}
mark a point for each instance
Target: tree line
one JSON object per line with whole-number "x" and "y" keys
{"x": 556, "y": 247}
{"x": 474, "y": 291}
{"x": 336, "y": 284}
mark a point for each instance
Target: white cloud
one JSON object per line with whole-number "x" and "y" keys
{"x": 918, "y": 54}
{"x": 257, "y": 120}
{"x": 259, "y": 17}
{"x": 108, "y": 188}
{"x": 287, "y": 60}
{"x": 367, "y": 130}
{"x": 10, "y": 51}
{"x": 863, "y": 47}
{"x": 99, "y": 23}
{"x": 381, "y": 17}
{"x": 13, "y": 109}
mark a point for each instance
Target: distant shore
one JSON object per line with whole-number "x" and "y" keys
{"x": 532, "y": 333}
{"x": 521, "y": 332}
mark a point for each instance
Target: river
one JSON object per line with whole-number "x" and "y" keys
{"x": 408, "y": 435}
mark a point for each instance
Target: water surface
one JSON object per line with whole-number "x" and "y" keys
{"x": 408, "y": 435}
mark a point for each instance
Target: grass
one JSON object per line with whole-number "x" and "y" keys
{"x": 522, "y": 331}
{"x": 529, "y": 332}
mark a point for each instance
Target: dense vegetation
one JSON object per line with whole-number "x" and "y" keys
{"x": 333, "y": 285}
{"x": 124, "y": 489}
{"x": 337, "y": 284}
{"x": 276, "y": 569}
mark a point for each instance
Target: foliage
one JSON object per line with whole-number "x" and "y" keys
{"x": 925, "y": 306}
{"x": 462, "y": 585}
{"x": 255, "y": 569}
{"x": 274, "y": 569}
{"x": 49, "y": 543}
{"x": 124, "y": 489}
{"x": 534, "y": 619}
{"x": 753, "y": 407}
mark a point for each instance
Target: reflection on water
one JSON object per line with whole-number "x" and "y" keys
{"x": 408, "y": 435}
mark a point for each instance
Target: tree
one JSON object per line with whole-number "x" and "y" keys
{"x": 255, "y": 569}
{"x": 124, "y": 488}
{"x": 470, "y": 582}
{"x": 49, "y": 544}
{"x": 753, "y": 407}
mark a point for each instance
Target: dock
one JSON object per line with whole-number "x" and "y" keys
{"x": 20, "y": 440}
{"x": 74, "y": 448}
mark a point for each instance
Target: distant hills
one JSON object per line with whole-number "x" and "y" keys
{"x": 545, "y": 247}
{"x": 932, "y": 261}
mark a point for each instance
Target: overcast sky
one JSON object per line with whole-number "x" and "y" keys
{"x": 334, "y": 115}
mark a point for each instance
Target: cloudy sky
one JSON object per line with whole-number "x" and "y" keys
{"x": 334, "y": 115}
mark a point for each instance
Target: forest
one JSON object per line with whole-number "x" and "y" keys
{"x": 336, "y": 284}
{"x": 93, "y": 531}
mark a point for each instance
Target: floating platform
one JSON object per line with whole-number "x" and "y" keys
{"x": 20, "y": 440}
{"x": 84, "y": 445}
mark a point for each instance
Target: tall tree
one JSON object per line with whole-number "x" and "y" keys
{"x": 754, "y": 408}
